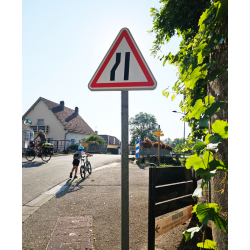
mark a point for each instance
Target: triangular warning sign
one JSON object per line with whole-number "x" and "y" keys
{"x": 123, "y": 67}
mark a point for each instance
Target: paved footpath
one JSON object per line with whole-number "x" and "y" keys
{"x": 96, "y": 200}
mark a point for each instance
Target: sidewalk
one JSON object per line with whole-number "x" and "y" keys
{"x": 99, "y": 197}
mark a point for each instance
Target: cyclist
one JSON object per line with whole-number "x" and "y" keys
{"x": 42, "y": 136}
{"x": 77, "y": 156}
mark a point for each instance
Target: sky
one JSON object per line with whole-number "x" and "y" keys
{"x": 63, "y": 43}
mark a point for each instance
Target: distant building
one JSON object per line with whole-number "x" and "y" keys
{"x": 57, "y": 121}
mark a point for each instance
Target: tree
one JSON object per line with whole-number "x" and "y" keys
{"x": 167, "y": 141}
{"x": 202, "y": 62}
{"x": 141, "y": 126}
{"x": 96, "y": 138}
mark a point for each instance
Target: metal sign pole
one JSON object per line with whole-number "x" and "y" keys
{"x": 124, "y": 173}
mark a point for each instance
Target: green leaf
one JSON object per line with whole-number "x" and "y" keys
{"x": 208, "y": 244}
{"x": 208, "y": 65}
{"x": 215, "y": 164}
{"x": 195, "y": 161}
{"x": 191, "y": 82}
{"x": 217, "y": 72}
{"x": 189, "y": 233}
{"x": 209, "y": 100}
{"x": 197, "y": 110}
{"x": 207, "y": 157}
{"x": 200, "y": 146}
{"x": 173, "y": 97}
{"x": 215, "y": 40}
{"x": 221, "y": 128}
{"x": 206, "y": 212}
{"x": 216, "y": 138}
{"x": 202, "y": 54}
{"x": 214, "y": 108}
{"x": 206, "y": 175}
{"x": 186, "y": 60}
{"x": 203, "y": 122}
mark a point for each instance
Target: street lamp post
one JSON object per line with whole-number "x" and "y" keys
{"x": 184, "y": 123}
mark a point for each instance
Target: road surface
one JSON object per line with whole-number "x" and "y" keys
{"x": 38, "y": 176}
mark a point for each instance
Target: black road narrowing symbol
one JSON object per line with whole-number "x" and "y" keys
{"x": 117, "y": 62}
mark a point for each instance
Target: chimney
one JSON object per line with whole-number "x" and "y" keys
{"x": 76, "y": 111}
{"x": 62, "y": 105}
{"x": 96, "y": 132}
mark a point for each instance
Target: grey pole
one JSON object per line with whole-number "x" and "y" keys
{"x": 124, "y": 173}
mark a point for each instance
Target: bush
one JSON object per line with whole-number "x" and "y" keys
{"x": 169, "y": 147}
{"x": 74, "y": 146}
{"x": 93, "y": 142}
{"x": 95, "y": 138}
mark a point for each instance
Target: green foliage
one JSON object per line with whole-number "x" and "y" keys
{"x": 197, "y": 22}
{"x": 143, "y": 126}
{"x": 96, "y": 138}
{"x": 208, "y": 244}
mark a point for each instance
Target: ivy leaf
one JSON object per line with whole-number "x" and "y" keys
{"x": 199, "y": 146}
{"x": 215, "y": 40}
{"x": 216, "y": 138}
{"x": 186, "y": 60}
{"x": 203, "y": 122}
{"x": 207, "y": 157}
{"x": 197, "y": 110}
{"x": 208, "y": 244}
{"x": 189, "y": 233}
{"x": 208, "y": 65}
{"x": 217, "y": 72}
{"x": 197, "y": 192}
{"x": 206, "y": 175}
{"x": 206, "y": 212}
{"x": 201, "y": 55}
{"x": 214, "y": 108}
{"x": 173, "y": 97}
{"x": 209, "y": 100}
{"x": 221, "y": 128}
{"x": 195, "y": 161}
{"x": 215, "y": 164}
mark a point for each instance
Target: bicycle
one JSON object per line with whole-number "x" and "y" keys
{"x": 32, "y": 152}
{"x": 86, "y": 167}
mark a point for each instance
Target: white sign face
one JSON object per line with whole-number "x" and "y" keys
{"x": 123, "y": 67}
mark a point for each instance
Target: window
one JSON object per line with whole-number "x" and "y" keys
{"x": 40, "y": 122}
{"x": 50, "y": 140}
{"x": 73, "y": 141}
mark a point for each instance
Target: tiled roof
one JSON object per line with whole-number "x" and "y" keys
{"x": 110, "y": 139}
{"x": 67, "y": 117}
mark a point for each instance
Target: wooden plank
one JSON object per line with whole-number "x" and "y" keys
{"x": 168, "y": 175}
{"x": 173, "y": 191}
{"x": 165, "y": 225}
{"x": 173, "y": 205}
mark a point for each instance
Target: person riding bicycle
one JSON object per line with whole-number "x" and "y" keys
{"x": 77, "y": 156}
{"x": 42, "y": 136}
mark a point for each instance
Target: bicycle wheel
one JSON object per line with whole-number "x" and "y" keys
{"x": 30, "y": 154}
{"x": 46, "y": 157}
{"x": 89, "y": 168}
{"x": 82, "y": 171}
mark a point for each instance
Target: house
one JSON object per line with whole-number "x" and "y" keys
{"x": 113, "y": 144}
{"x": 57, "y": 121}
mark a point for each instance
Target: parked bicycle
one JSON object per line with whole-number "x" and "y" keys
{"x": 85, "y": 167}
{"x": 32, "y": 152}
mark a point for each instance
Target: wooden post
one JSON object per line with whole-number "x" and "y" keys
{"x": 158, "y": 147}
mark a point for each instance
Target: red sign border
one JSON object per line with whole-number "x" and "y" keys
{"x": 149, "y": 85}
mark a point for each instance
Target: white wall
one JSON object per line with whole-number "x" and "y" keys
{"x": 76, "y": 136}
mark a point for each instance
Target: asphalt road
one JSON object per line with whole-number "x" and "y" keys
{"x": 39, "y": 177}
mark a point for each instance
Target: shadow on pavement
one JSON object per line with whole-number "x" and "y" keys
{"x": 73, "y": 186}
{"x": 28, "y": 164}
{"x": 142, "y": 166}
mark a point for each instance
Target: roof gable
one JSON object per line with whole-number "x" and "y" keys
{"x": 68, "y": 118}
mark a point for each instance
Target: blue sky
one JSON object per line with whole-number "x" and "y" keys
{"x": 63, "y": 43}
